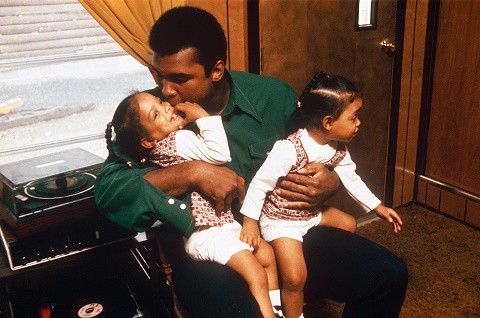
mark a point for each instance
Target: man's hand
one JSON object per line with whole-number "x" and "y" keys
{"x": 250, "y": 233}
{"x": 220, "y": 184}
{"x": 308, "y": 188}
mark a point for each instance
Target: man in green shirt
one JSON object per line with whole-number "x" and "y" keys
{"x": 189, "y": 65}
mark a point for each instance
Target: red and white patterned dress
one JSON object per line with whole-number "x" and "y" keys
{"x": 183, "y": 145}
{"x": 274, "y": 204}
{"x": 290, "y": 155}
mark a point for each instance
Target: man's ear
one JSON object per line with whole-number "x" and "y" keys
{"x": 218, "y": 70}
{"x": 327, "y": 122}
{"x": 147, "y": 143}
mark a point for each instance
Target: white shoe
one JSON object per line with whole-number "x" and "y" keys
{"x": 277, "y": 310}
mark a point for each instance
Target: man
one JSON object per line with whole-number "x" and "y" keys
{"x": 189, "y": 64}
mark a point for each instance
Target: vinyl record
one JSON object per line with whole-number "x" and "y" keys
{"x": 89, "y": 307}
{"x": 97, "y": 299}
{"x": 60, "y": 187}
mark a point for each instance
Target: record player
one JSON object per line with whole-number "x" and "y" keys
{"x": 47, "y": 191}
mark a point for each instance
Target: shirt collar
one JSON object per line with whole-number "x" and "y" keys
{"x": 238, "y": 98}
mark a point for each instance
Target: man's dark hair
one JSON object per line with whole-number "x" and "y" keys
{"x": 188, "y": 27}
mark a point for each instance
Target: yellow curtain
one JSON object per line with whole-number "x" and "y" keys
{"x": 129, "y": 22}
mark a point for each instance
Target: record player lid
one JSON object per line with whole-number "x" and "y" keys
{"x": 66, "y": 161}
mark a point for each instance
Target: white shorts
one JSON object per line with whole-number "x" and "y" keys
{"x": 273, "y": 229}
{"x": 217, "y": 244}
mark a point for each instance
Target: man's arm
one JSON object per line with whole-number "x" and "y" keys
{"x": 125, "y": 197}
{"x": 308, "y": 188}
{"x": 220, "y": 184}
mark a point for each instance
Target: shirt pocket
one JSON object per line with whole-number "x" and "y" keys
{"x": 259, "y": 152}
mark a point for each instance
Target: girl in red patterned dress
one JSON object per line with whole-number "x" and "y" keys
{"x": 152, "y": 129}
{"x": 328, "y": 114}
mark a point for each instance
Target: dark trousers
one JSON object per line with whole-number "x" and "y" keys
{"x": 341, "y": 266}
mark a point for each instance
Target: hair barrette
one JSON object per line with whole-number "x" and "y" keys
{"x": 312, "y": 84}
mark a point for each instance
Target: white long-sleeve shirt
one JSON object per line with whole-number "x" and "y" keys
{"x": 210, "y": 145}
{"x": 280, "y": 161}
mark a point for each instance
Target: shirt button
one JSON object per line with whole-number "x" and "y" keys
{"x": 183, "y": 206}
{"x": 171, "y": 201}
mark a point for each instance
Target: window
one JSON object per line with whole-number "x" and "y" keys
{"x": 366, "y": 15}
{"x": 61, "y": 78}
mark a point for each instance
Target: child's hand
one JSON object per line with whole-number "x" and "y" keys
{"x": 250, "y": 233}
{"x": 191, "y": 111}
{"x": 391, "y": 216}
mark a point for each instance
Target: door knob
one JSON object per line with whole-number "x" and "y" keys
{"x": 389, "y": 47}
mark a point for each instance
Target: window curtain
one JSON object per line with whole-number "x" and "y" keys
{"x": 129, "y": 22}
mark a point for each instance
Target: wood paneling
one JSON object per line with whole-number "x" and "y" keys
{"x": 453, "y": 145}
{"x": 433, "y": 196}
{"x": 410, "y": 100}
{"x": 453, "y": 204}
{"x": 473, "y": 213}
{"x": 238, "y": 35}
{"x": 232, "y": 16}
{"x": 422, "y": 191}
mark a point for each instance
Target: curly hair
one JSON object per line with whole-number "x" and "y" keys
{"x": 188, "y": 27}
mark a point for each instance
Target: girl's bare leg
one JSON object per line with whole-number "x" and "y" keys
{"x": 247, "y": 265}
{"x": 335, "y": 218}
{"x": 293, "y": 273}
{"x": 266, "y": 258}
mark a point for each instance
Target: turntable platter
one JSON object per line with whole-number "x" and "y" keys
{"x": 60, "y": 187}
{"x": 66, "y": 184}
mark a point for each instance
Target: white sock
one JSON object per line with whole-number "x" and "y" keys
{"x": 301, "y": 316}
{"x": 275, "y": 297}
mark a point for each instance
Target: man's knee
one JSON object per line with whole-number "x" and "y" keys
{"x": 398, "y": 277}
{"x": 393, "y": 278}
{"x": 213, "y": 290}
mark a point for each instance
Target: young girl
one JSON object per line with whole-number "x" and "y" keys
{"x": 328, "y": 112}
{"x": 151, "y": 130}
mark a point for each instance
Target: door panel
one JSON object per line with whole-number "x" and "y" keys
{"x": 453, "y": 147}
{"x": 283, "y": 40}
{"x": 298, "y": 38}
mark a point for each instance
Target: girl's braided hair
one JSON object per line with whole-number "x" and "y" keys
{"x": 128, "y": 129}
{"x": 324, "y": 95}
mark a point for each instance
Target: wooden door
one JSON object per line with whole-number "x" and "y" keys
{"x": 299, "y": 37}
{"x": 453, "y": 146}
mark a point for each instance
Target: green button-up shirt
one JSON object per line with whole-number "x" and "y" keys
{"x": 257, "y": 114}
